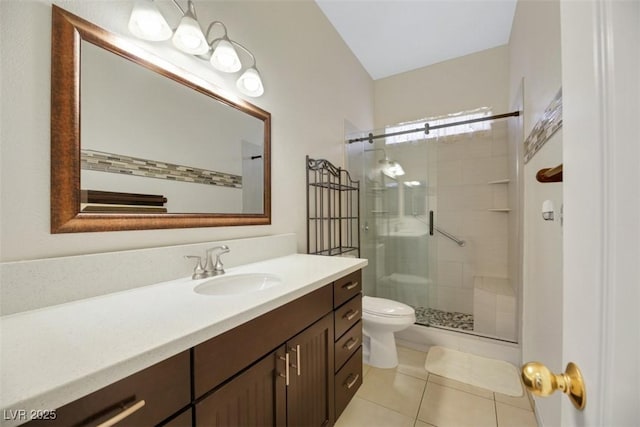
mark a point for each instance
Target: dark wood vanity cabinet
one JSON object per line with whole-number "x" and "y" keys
{"x": 347, "y": 300}
{"x": 310, "y": 391}
{"x": 290, "y": 386}
{"x": 297, "y": 365}
{"x": 256, "y": 397}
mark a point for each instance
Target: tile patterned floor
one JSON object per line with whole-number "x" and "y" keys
{"x": 409, "y": 396}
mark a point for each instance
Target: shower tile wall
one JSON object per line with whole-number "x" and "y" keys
{"x": 466, "y": 164}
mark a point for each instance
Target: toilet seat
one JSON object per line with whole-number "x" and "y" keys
{"x": 386, "y": 308}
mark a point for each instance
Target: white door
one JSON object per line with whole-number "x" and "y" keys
{"x": 601, "y": 140}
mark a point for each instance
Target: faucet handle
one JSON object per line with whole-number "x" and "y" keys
{"x": 198, "y": 271}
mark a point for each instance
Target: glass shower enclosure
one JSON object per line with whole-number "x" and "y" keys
{"x": 434, "y": 220}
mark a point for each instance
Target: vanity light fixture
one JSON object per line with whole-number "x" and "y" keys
{"x": 224, "y": 57}
{"x": 188, "y": 37}
{"x": 148, "y": 23}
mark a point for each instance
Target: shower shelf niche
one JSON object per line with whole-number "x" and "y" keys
{"x": 333, "y": 210}
{"x": 497, "y": 182}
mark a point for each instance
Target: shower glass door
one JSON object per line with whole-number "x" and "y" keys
{"x": 456, "y": 274}
{"x": 395, "y": 206}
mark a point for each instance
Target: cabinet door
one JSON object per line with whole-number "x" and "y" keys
{"x": 256, "y": 397}
{"x": 310, "y": 395}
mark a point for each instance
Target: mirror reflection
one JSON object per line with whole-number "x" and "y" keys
{"x": 139, "y": 143}
{"x": 151, "y": 144}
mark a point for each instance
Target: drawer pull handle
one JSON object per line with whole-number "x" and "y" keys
{"x": 350, "y": 285}
{"x": 348, "y": 384}
{"x": 350, "y": 344}
{"x": 297, "y": 365}
{"x": 286, "y": 372}
{"x": 351, "y": 314}
{"x": 122, "y": 415}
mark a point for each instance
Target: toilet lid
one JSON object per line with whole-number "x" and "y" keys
{"x": 385, "y": 307}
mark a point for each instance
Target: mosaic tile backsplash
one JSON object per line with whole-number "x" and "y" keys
{"x": 549, "y": 124}
{"x": 117, "y": 163}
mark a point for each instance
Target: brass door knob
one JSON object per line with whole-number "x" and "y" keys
{"x": 542, "y": 382}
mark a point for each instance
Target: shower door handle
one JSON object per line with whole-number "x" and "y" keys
{"x": 430, "y": 223}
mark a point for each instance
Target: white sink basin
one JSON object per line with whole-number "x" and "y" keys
{"x": 238, "y": 284}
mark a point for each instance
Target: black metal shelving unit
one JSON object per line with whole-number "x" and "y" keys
{"x": 333, "y": 210}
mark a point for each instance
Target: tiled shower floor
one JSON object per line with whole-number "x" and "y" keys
{"x": 447, "y": 319}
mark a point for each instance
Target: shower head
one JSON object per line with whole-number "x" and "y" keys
{"x": 391, "y": 168}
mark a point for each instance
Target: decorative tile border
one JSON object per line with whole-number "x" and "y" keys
{"x": 548, "y": 125}
{"x": 117, "y": 163}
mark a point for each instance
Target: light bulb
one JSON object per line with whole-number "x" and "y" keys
{"x": 250, "y": 83}
{"x": 147, "y": 23}
{"x": 225, "y": 58}
{"x": 188, "y": 36}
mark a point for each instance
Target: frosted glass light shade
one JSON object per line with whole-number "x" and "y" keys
{"x": 189, "y": 37}
{"x": 225, "y": 58}
{"x": 147, "y": 23}
{"x": 250, "y": 83}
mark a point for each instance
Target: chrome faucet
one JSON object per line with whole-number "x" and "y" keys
{"x": 216, "y": 268}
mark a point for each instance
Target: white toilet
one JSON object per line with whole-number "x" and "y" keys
{"x": 380, "y": 319}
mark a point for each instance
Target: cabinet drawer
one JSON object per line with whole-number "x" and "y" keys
{"x": 348, "y": 380}
{"x": 346, "y": 288}
{"x": 348, "y": 315}
{"x": 348, "y": 344}
{"x": 164, "y": 388}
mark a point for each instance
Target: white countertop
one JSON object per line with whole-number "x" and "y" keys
{"x": 52, "y": 356}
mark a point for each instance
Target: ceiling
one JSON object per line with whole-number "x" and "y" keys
{"x": 393, "y": 36}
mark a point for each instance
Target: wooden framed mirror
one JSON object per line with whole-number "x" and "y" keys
{"x": 114, "y": 163}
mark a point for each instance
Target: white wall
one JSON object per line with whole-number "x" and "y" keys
{"x": 460, "y": 84}
{"x": 534, "y": 52}
{"x": 313, "y": 83}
